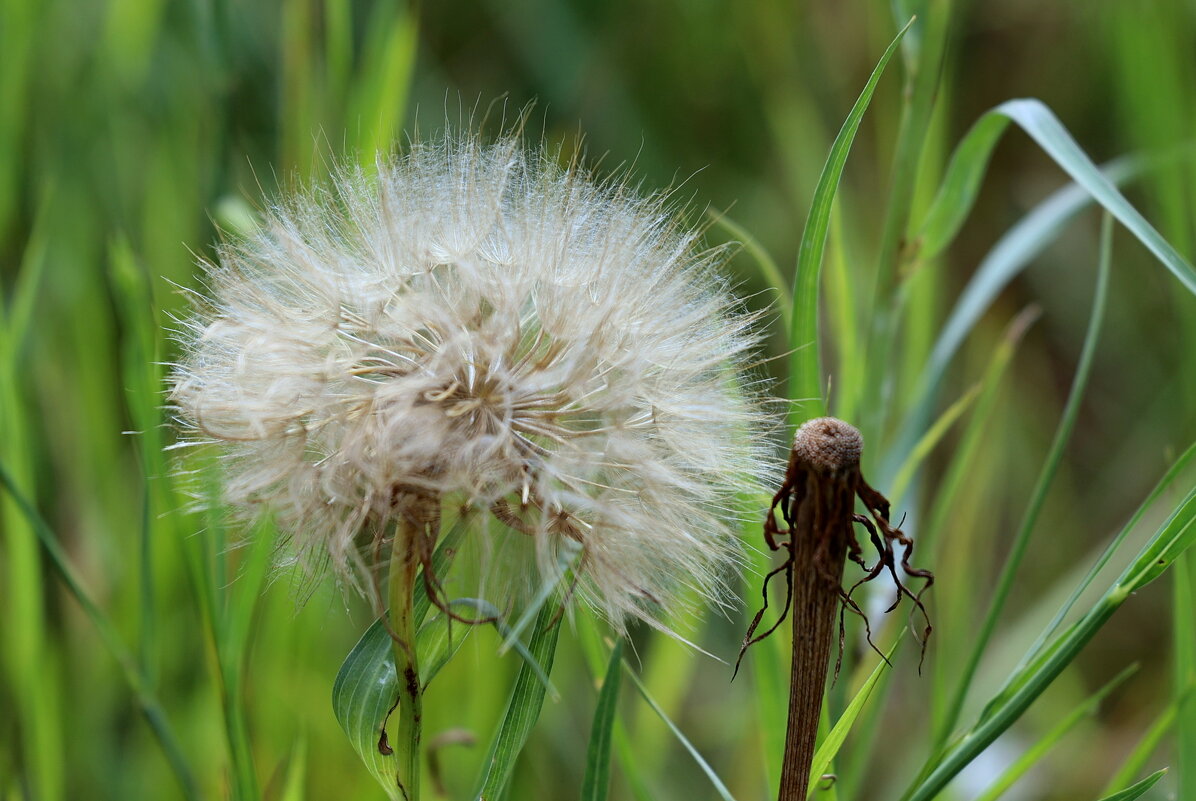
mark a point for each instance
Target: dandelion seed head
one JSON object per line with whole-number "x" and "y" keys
{"x": 475, "y": 322}
{"x": 828, "y": 444}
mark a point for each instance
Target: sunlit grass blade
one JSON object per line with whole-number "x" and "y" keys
{"x": 829, "y": 747}
{"x": 150, "y": 707}
{"x": 590, "y": 639}
{"x": 1046, "y": 477}
{"x": 719, "y": 786}
{"x": 444, "y": 638}
{"x": 805, "y": 369}
{"x": 142, "y": 381}
{"x": 523, "y": 708}
{"x": 1137, "y": 790}
{"x": 843, "y": 319}
{"x": 963, "y": 459}
{"x": 227, "y": 614}
{"x": 1044, "y": 744}
{"x": 963, "y": 179}
{"x": 595, "y": 785}
{"x": 379, "y": 99}
{"x": 1174, "y": 537}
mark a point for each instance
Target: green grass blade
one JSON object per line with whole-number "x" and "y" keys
{"x": 966, "y": 171}
{"x": 1183, "y": 626}
{"x": 595, "y": 785}
{"x": 1137, "y": 790}
{"x": 1175, "y": 536}
{"x": 930, "y": 439}
{"x": 1020, "y": 245}
{"x": 1114, "y": 546}
{"x": 150, "y": 707}
{"x": 1046, "y": 477}
{"x": 1039, "y": 749}
{"x": 294, "y": 784}
{"x": 960, "y": 186}
{"x": 1044, "y": 127}
{"x": 805, "y": 369}
{"x": 382, "y": 85}
{"x": 1138, "y": 757}
{"x": 523, "y": 709}
{"x": 962, "y": 460}
{"x": 570, "y": 552}
{"x": 437, "y": 642}
{"x": 829, "y": 747}
{"x": 719, "y": 787}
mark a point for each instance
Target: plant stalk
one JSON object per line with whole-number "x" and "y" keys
{"x": 404, "y": 565}
{"x": 816, "y": 501}
{"x": 821, "y": 531}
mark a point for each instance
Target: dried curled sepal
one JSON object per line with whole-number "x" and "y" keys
{"x": 816, "y": 501}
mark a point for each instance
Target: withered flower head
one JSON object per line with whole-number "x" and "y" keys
{"x": 476, "y": 324}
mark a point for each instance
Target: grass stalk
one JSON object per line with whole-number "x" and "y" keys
{"x": 922, "y": 79}
{"x": 1038, "y": 497}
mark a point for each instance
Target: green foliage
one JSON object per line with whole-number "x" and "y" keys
{"x": 127, "y": 127}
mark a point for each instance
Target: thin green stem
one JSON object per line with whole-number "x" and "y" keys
{"x": 921, "y": 86}
{"x": 404, "y": 565}
{"x": 1045, "y": 477}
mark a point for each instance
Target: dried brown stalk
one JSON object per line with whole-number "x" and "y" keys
{"x": 817, "y": 504}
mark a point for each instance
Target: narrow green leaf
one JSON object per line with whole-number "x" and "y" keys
{"x": 1046, "y": 477}
{"x": 829, "y": 748}
{"x": 930, "y": 439}
{"x": 595, "y": 786}
{"x": 1012, "y": 253}
{"x": 523, "y": 709}
{"x": 1039, "y": 749}
{"x": 964, "y": 175}
{"x": 805, "y": 370}
{"x": 1021, "y": 688}
{"x": 570, "y": 552}
{"x": 1137, "y": 790}
{"x": 1183, "y": 627}
{"x": 960, "y": 186}
{"x": 384, "y": 82}
{"x": 719, "y": 787}
{"x": 1110, "y": 551}
{"x": 1137, "y": 758}
{"x": 151, "y": 708}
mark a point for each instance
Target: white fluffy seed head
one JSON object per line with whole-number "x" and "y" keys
{"x": 477, "y": 323}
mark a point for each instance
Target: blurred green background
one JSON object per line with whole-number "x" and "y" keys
{"x": 131, "y": 129}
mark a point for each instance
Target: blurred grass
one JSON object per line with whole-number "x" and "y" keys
{"x": 127, "y": 125}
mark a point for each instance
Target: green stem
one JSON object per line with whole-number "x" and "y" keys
{"x": 404, "y": 565}
{"x": 921, "y": 86}
{"x": 1046, "y": 477}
